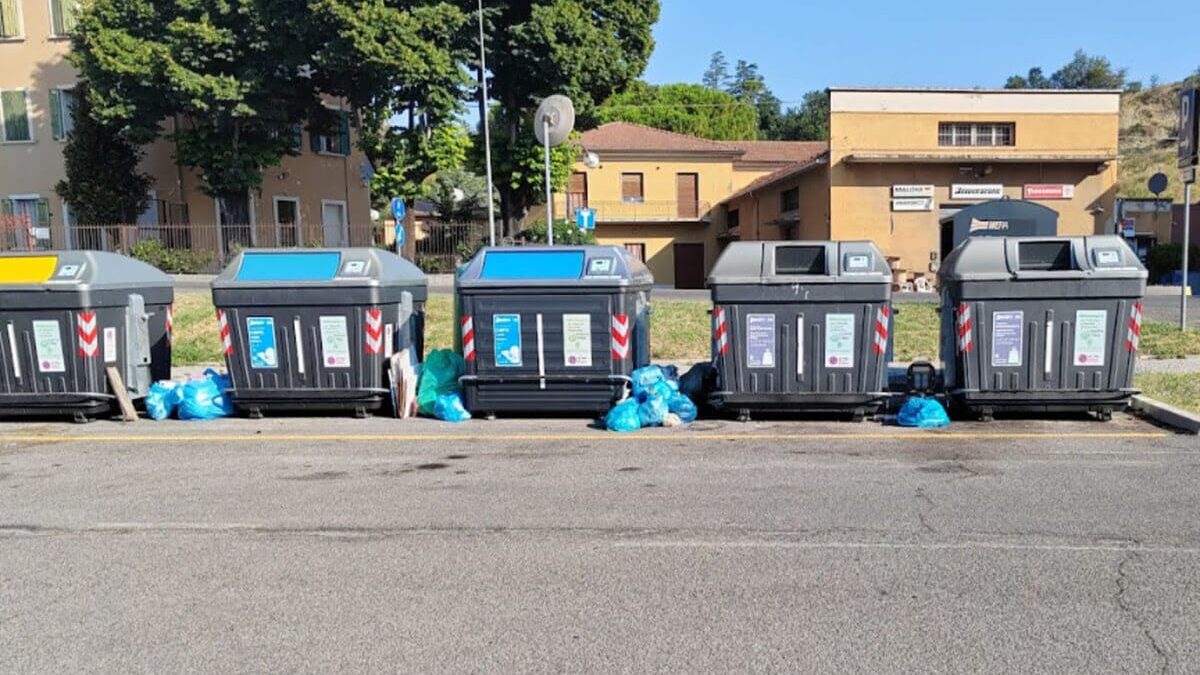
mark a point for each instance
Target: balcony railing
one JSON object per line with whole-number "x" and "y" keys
{"x": 650, "y": 211}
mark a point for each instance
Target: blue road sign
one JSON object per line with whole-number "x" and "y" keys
{"x": 398, "y": 208}
{"x": 585, "y": 219}
{"x": 401, "y": 235}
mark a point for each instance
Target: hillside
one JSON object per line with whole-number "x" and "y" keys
{"x": 1148, "y": 140}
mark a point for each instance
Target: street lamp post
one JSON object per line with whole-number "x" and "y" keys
{"x": 487, "y": 132}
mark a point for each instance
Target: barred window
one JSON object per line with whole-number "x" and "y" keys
{"x": 977, "y": 134}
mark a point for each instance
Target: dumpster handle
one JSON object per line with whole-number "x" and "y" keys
{"x": 549, "y": 378}
{"x": 12, "y": 345}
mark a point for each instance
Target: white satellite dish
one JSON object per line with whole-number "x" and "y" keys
{"x": 552, "y": 124}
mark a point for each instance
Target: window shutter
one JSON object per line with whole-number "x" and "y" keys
{"x": 6, "y": 207}
{"x": 70, "y": 11}
{"x": 344, "y": 133}
{"x": 56, "y": 115}
{"x": 56, "y": 17}
{"x": 631, "y": 186}
{"x": 8, "y": 19}
{"x": 43, "y": 212}
{"x": 16, "y": 116}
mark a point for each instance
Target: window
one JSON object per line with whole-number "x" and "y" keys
{"x": 62, "y": 119}
{"x": 636, "y": 251}
{"x": 335, "y": 141}
{"x": 297, "y": 136}
{"x": 976, "y": 134}
{"x": 734, "y": 219}
{"x": 631, "y": 188}
{"x": 64, "y": 14}
{"x": 10, "y": 20}
{"x": 24, "y": 222}
{"x": 789, "y": 200}
{"x": 14, "y": 110}
{"x": 287, "y": 221}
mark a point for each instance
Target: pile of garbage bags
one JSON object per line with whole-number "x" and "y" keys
{"x": 924, "y": 413}
{"x": 439, "y": 393}
{"x": 195, "y": 399}
{"x": 656, "y": 401}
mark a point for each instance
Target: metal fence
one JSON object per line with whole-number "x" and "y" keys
{"x": 443, "y": 245}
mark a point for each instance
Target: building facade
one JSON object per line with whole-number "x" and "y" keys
{"x": 319, "y": 196}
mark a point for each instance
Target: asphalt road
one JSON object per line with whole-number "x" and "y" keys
{"x": 323, "y": 545}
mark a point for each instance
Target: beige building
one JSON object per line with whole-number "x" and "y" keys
{"x": 319, "y": 196}
{"x": 902, "y": 162}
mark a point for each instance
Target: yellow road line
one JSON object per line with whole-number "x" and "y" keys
{"x": 593, "y": 436}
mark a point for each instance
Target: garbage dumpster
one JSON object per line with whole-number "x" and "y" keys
{"x": 1045, "y": 324}
{"x": 552, "y": 328}
{"x": 317, "y": 329}
{"x": 801, "y": 326}
{"x": 65, "y": 317}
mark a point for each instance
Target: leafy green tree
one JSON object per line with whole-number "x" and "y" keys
{"x": 747, "y": 84}
{"x": 1082, "y": 72}
{"x": 457, "y": 194}
{"x": 1035, "y": 79}
{"x": 690, "y": 109}
{"x": 103, "y": 185}
{"x": 717, "y": 74}
{"x": 585, "y": 49}
{"x": 809, "y": 122}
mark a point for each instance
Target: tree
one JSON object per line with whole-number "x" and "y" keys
{"x": 1082, "y": 72}
{"x": 238, "y": 76}
{"x": 690, "y": 109}
{"x": 770, "y": 116}
{"x": 103, "y": 185}
{"x": 717, "y": 75}
{"x": 586, "y": 49}
{"x": 1192, "y": 80}
{"x": 809, "y": 122}
{"x": 747, "y": 85}
{"x": 518, "y": 166}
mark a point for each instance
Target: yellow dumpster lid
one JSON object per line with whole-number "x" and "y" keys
{"x": 27, "y": 269}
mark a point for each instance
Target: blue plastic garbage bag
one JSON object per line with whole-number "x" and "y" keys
{"x": 925, "y": 413}
{"x": 646, "y": 377}
{"x": 660, "y": 389}
{"x": 205, "y": 399}
{"x": 682, "y": 405}
{"x": 623, "y": 416}
{"x": 652, "y": 411}
{"x": 450, "y": 408}
{"x": 163, "y": 399}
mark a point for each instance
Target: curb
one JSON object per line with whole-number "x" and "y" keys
{"x": 1165, "y": 414}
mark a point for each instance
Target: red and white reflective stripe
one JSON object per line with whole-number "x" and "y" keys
{"x": 965, "y": 342}
{"x": 374, "y": 331}
{"x": 1134, "y": 337}
{"x": 89, "y": 334}
{"x": 620, "y": 336}
{"x": 720, "y": 330}
{"x": 881, "y": 329}
{"x": 170, "y": 324}
{"x": 226, "y": 340}
{"x": 468, "y": 338}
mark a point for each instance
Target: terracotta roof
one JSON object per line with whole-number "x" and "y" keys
{"x": 627, "y": 136}
{"x": 781, "y": 151}
{"x": 780, "y": 175}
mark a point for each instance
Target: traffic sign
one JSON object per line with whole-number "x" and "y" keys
{"x": 1189, "y": 128}
{"x": 585, "y": 219}
{"x": 1187, "y": 176}
{"x": 401, "y": 235}
{"x": 398, "y": 208}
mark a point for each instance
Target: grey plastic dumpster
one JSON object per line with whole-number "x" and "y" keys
{"x": 1041, "y": 324}
{"x": 316, "y": 329}
{"x": 65, "y": 317}
{"x": 552, "y": 329}
{"x": 801, "y": 326}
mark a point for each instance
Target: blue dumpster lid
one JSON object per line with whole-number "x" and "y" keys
{"x": 77, "y": 270}
{"x": 801, "y": 262}
{"x": 554, "y": 266}
{"x": 275, "y": 268}
{"x": 1004, "y": 258}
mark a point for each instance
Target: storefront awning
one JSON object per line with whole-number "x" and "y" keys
{"x": 959, "y": 158}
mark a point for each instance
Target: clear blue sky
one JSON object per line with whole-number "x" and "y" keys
{"x": 803, "y": 44}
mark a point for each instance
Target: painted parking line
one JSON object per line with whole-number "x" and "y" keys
{"x": 799, "y": 437}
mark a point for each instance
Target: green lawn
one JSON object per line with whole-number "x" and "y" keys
{"x": 680, "y": 331}
{"x": 1179, "y": 390}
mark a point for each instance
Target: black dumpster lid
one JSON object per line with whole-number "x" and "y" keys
{"x": 554, "y": 266}
{"x": 75, "y": 271}
{"x": 276, "y": 268}
{"x": 807, "y": 262}
{"x": 1004, "y": 258}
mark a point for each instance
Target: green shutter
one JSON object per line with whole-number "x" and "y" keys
{"x": 70, "y": 16}
{"x": 56, "y": 17}
{"x": 16, "y": 116}
{"x": 56, "y": 115}
{"x": 6, "y": 207}
{"x": 43, "y": 213}
{"x": 8, "y": 19}
{"x": 344, "y": 133}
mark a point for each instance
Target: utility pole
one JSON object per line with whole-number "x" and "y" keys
{"x": 487, "y": 132}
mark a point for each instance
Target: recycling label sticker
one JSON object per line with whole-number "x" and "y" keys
{"x": 1008, "y": 338}
{"x": 260, "y": 333}
{"x": 760, "y": 341}
{"x": 577, "y": 340}
{"x": 335, "y": 342}
{"x": 839, "y": 340}
{"x": 47, "y": 342}
{"x": 1091, "y": 336}
{"x": 506, "y": 340}
{"x": 110, "y": 344}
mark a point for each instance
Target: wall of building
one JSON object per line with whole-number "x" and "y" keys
{"x": 659, "y": 239}
{"x": 760, "y": 211}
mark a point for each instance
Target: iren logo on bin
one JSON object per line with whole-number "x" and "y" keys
{"x": 89, "y": 335}
{"x": 620, "y": 336}
{"x": 374, "y": 330}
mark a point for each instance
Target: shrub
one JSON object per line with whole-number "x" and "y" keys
{"x": 1167, "y": 258}
{"x": 172, "y": 260}
{"x": 564, "y": 233}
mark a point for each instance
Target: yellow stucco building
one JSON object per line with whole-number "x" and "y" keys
{"x": 317, "y": 196}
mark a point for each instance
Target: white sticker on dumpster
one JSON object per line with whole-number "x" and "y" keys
{"x": 335, "y": 342}
{"x": 577, "y": 340}
{"x": 839, "y": 340}
{"x": 260, "y": 333}
{"x": 47, "y": 341}
{"x": 760, "y": 341}
{"x": 110, "y": 344}
{"x": 1091, "y": 336}
{"x": 506, "y": 340}
{"x": 1008, "y": 338}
